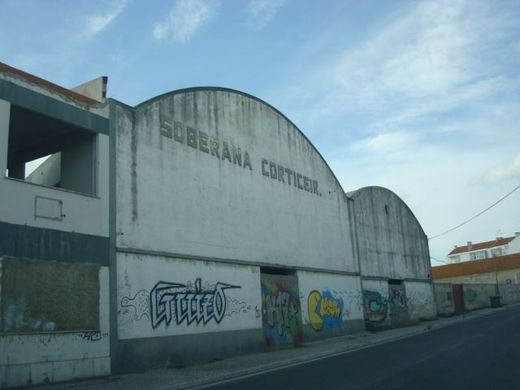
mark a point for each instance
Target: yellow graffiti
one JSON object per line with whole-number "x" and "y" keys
{"x": 314, "y": 317}
{"x": 319, "y": 307}
{"x": 330, "y": 308}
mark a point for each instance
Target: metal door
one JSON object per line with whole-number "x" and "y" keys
{"x": 397, "y": 302}
{"x": 281, "y": 315}
{"x": 458, "y": 298}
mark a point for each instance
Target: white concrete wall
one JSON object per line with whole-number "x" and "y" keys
{"x": 420, "y": 300}
{"x": 476, "y": 296}
{"x": 82, "y": 213}
{"x": 57, "y": 356}
{"x": 391, "y": 241}
{"x": 444, "y": 298}
{"x": 511, "y": 276}
{"x": 5, "y": 114}
{"x": 139, "y": 274}
{"x": 509, "y": 293}
{"x": 513, "y": 246}
{"x": 175, "y": 198}
{"x": 333, "y": 292}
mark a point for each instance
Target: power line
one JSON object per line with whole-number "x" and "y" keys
{"x": 475, "y": 216}
{"x": 439, "y": 260}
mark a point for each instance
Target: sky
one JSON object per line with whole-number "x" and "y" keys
{"x": 420, "y": 97}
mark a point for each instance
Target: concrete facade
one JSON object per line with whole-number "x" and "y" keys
{"x": 198, "y": 225}
{"x": 221, "y": 196}
{"x": 394, "y": 259}
{"x": 473, "y": 296}
{"x": 444, "y": 299}
{"x": 52, "y": 234}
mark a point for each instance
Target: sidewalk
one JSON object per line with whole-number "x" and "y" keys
{"x": 206, "y": 373}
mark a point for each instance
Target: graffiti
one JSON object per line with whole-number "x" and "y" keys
{"x": 188, "y": 303}
{"x": 234, "y": 306}
{"x": 325, "y": 310}
{"x": 139, "y": 304}
{"x": 470, "y": 295}
{"x": 375, "y": 306}
{"x": 281, "y": 315}
{"x": 279, "y": 311}
{"x": 397, "y": 297}
{"x": 94, "y": 335}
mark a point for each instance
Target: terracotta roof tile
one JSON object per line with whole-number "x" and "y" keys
{"x": 500, "y": 263}
{"x": 482, "y": 245}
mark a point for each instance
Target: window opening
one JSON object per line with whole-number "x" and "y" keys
{"x": 46, "y": 151}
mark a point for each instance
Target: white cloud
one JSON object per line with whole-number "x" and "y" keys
{"x": 502, "y": 172}
{"x": 260, "y": 12}
{"x": 427, "y": 55}
{"x": 185, "y": 19}
{"x": 97, "y": 23}
{"x": 385, "y": 142}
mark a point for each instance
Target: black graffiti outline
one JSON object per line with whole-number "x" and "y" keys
{"x": 127, "y": 302}
{"x": 210, "y": 303}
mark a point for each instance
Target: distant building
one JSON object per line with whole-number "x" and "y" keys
{"x": 501, "y": 270}
{"x": 484, "y": 250}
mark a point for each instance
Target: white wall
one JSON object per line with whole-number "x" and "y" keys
{"x": 391, "y": 242}
{"x": 514, "y": 246}
{"x": 138, "y": 275}
{"x": 82, "y": 213}
{"x": 175, "y": 198}
{"x": 5, "y": 114}
{"x": 57, "y": 356}
{"x": 335, "y": 291}
{"x": 420, "y": 300}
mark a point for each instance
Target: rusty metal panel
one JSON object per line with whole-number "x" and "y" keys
{"x": 47, "y": 296}
{"x": 458, "y": 298}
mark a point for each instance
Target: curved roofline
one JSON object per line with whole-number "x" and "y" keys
{"x": 235, "y": 91}
{"x": 352, "y": 194}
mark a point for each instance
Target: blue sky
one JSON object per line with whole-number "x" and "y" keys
{"x": 421, "y": 97}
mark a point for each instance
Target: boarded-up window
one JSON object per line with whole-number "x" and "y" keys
{"x": 46, "y": 296}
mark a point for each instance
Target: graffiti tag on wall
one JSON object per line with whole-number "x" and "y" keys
{"x": 281, "y": 310}
{"x": 138, "y": 306}
{"x": 324, "y": 310}
{"x": 375, "y": 306}
{"x": 182, "y": 303}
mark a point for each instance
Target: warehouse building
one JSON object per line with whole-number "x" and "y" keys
{"x": 197, "y": 225}
{"x": 394, "y": 259}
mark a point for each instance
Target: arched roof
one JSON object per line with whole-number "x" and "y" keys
{"x": 249, "y": 96}
{"x": 368, "y": 190}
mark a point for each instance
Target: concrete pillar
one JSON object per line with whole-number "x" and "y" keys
{"x": 5, "y": 111}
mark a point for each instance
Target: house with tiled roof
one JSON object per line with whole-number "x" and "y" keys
{"x": 501, "y": 270}
{"x": 485, "y": 250}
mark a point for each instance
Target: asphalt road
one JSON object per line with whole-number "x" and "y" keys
{"x": 483, "y": 353}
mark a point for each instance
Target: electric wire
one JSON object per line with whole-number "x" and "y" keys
{"x": 475, "y": 216}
